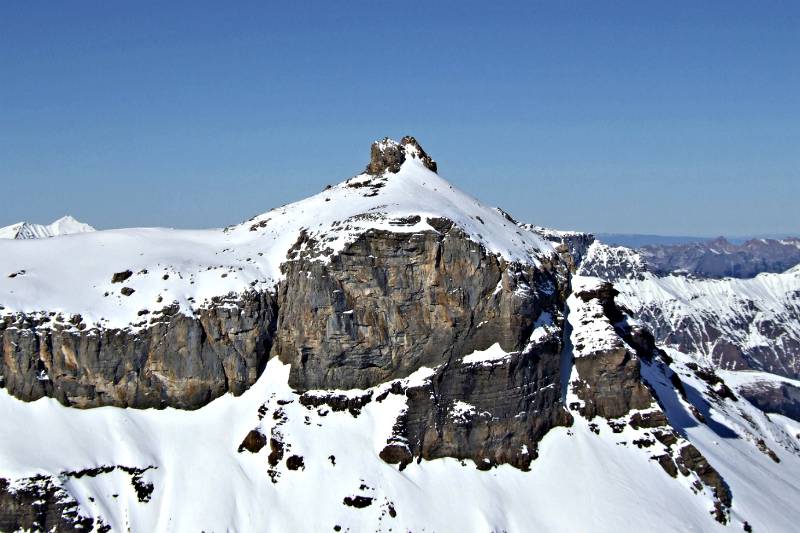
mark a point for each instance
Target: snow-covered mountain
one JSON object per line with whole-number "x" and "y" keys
{"x": 26, "y": 230}
{"x": 387, "y": 355}
{"x": 731, "y": 323}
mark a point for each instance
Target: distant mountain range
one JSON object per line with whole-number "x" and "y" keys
{"x": 637, "y": 240}
{"x": 712, "y": 258}
{"x": 26, "y": 230}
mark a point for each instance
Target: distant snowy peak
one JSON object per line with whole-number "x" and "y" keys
{"x": 612, "y": 262}
{"x": 63, "y": 226}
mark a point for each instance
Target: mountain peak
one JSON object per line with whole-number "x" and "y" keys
{"x": 388, "y": 155}
{"x": 65, "y": 225}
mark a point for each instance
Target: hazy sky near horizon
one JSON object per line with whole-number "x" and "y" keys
{"x": 636, "y": 117}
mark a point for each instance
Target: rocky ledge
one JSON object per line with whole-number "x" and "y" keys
{"x": 171, "y": 360}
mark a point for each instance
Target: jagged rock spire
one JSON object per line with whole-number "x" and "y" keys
{"x": 387, "y": 155}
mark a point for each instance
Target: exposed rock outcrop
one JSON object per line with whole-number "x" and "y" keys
{"x": 170, "y": 360}
{"x": 391, "y": 303}
{"x": 610, "y": 383}
{"x": 44, "y": 503}
{"x": 492, "y": 413}
{"x": 40, "y": 504}
{"x": 388, "y": 155}
{"x": 609, "y": 354}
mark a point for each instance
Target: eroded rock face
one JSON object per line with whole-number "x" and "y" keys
{"x": 174, "y": 360}
{"x": 610, "y": 383}
{"x": 40, "y": 504}
{"x": 391, "y": 303}
{"x": 45, "y": 503}
{"x": 609, "y": 354}
{"x": 492, "y": 413}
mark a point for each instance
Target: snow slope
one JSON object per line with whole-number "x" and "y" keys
{"x": 201, "y": 264}
{"x": 63, "y": 226}
{"x": 580, "y": 482}
{"x": 587, "y": 477}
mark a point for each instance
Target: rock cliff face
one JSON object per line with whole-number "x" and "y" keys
{"x": 392, "y": 303}
{"x": 610, "y": 383}
{"x": 40, "y": 504}
{"x": 170, "y": 360}
{"x": 492, "y": 412}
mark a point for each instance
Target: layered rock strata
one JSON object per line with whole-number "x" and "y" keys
{"x": 171, "y": 359}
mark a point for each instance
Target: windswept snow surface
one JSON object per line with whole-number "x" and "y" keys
{"x": 765, "y": 492}
{"x": 73, "y": 275}
{"x": 63, "y": 226}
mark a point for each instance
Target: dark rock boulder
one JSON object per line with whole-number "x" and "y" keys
{"x": 253, "y": 442}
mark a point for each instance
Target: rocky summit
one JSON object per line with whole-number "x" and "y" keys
{"x": 397, "y": 353}
{"x": 389, "y": 155}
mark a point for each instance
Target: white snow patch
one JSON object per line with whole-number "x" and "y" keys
{"x": 490, "y": 355}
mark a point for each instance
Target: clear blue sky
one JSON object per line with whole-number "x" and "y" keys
{"x": 646, "y": 117}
